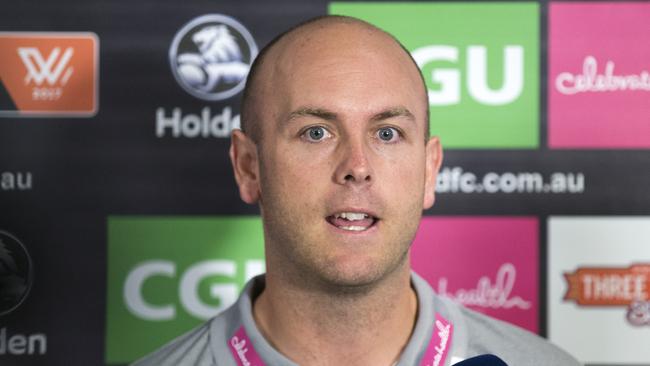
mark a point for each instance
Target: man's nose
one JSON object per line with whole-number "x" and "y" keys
{"x": 354, "y": 166}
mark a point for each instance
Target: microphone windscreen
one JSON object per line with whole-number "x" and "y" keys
{"x": 482, "y": 360}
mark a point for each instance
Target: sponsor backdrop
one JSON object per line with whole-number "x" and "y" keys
{"x": 121, "y": 225}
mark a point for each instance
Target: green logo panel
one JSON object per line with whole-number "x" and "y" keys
{"x": 480, "y": 62}
{"x": 167, "y": 275}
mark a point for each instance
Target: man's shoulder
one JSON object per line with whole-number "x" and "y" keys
{"x": 204, "y": 345}
{"x": 191, "y": 348}
{"x": 514, "y": 345}
{"x": 207, "y": 344}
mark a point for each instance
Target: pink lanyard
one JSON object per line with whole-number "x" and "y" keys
{"x": 245, "y": 355}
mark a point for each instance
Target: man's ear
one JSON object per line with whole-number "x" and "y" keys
{"x": 433, "y": 160}
{"x": 245, "y": 164}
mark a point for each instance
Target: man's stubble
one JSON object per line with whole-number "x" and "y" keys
{"x": 298, "y": 252}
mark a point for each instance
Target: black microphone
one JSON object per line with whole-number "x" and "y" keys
{"x": 482, "y": 360}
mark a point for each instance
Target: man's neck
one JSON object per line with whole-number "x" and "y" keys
{"x": 314, "y": 327}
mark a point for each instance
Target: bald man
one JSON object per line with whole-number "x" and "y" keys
{"x": 335, "y": 149}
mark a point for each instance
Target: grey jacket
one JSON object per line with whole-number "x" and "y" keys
{"x": 473, "y": 334}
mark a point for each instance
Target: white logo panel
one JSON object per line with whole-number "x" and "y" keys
{"x": 594, "y": 321}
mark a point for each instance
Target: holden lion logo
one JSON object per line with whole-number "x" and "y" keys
{"x": 15, "y": 273}
{"x": 211, "y": 55}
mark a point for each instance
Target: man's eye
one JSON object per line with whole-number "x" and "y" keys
{"x": 388, "y": 134}
{"x": 316, "y": 133}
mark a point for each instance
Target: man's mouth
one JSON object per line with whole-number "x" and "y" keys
{"x": 352, "y": 221}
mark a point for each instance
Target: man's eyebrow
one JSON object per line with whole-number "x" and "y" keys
{"x": 331, "y": 116}
{"x": 394, "y": 112}
{"x": 313, "y": 112}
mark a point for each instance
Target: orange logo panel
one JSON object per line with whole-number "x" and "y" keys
{"x": 49, "y": 74}
{"x": 598, "y": 286}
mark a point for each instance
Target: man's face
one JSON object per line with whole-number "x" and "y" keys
{"x": 343, "y": 165}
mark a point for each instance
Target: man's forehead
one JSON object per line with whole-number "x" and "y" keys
{"x": 339, "y": 35}
{"x": 317, "y": 54}
{"x": 312, "y": 56}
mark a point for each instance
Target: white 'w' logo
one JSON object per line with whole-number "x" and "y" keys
{"x": 39, "y": 69}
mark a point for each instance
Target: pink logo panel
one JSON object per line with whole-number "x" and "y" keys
{"x": 599, "y": 75}
{"x": 489, "y": 264}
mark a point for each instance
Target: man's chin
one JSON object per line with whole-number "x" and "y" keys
{"x": 349, "y": 286}
{"x": 355, "y": 279}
